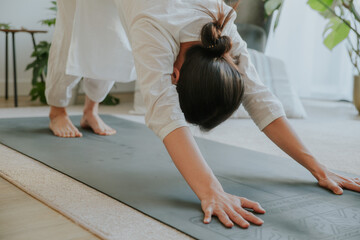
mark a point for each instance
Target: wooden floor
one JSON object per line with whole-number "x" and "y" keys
{"x": 23, "y": 217}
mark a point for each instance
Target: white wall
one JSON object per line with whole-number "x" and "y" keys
{"x": 314, "y": 71}
{"x": 27, "y": 14}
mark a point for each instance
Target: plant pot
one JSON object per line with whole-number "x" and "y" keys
{"x": 356, "y": 97}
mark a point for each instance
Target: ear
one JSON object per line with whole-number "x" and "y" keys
{"x": 175, "y": 76}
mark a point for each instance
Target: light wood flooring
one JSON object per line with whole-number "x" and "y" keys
{"x": 23, "y": 217}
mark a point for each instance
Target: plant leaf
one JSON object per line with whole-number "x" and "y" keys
{"x": 335, "y": 32}
{"x": 320, "y": 5}
{"x": 278, "y": 16}
{"x": 30, "y": 65}
{"x": 110, "y": 100}
{"x": 272, "y": 5}
{"x": 4, "y": 26}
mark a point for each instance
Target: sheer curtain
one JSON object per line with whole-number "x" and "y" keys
{"x": 314, "y": 71}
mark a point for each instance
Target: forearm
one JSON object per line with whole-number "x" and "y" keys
{"x": 281, "y": 133}
{"x": 189, "y": 161}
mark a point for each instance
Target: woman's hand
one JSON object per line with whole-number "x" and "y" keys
{"x": 336, "y": 183}
{"x": 230, "y": 209}
{"x": 280, "y": 132}
{"x": 214, "y": 201}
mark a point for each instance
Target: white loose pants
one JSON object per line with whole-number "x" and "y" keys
{"x": 81, "y": 47}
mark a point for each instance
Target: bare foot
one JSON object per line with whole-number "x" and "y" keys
{"x": 93, "y": 121}
{"x": 61, "y": 125}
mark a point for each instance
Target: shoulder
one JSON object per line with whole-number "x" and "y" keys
{"x": 149, "y": 32}
{"x": 152, "y": 48}
{"x": 152, "y": 44}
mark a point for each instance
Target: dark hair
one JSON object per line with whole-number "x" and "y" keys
{"x": 210, "y": 86}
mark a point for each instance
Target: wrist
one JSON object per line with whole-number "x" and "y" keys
{"x": 318, "y": 171}
{"x": 211, "y": 189}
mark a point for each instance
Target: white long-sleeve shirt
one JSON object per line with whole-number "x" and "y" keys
{"x": 155, "y": 29}
{"x": 155, "y": 37}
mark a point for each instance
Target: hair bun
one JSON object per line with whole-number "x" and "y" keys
{"x": 212, "y": 40}
{"x": 211, "y": 32}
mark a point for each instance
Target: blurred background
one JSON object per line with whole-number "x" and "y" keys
{"x": 291, "y": 31}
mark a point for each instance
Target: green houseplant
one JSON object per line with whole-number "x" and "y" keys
{"x": 343, "y": 23}
{"x": 4, "y": 25}
{"x": 39, "y": 66}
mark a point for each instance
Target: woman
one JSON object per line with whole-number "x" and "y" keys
{"x": 191, "y": 64}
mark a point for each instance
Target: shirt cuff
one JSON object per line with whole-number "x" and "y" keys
{"x": 270, "y": 118}
{"x": 171, "y": 127}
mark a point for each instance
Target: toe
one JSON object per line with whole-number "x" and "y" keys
{"x": 111, "y": 131}
{"x": 99, "y": 131}
{"x": 78, "y": 134}
{"x": 67, "y": 133}
{"x": 104, "y": 132}
{"x": 62, "y": 134}
{"x": 57, "y": 133}
{"x": 71, "y": 134}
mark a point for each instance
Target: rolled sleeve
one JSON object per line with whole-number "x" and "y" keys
{"x": 154, "y": 57}
{"x": 171, "y": 127}
{"x": 269, "y": 119}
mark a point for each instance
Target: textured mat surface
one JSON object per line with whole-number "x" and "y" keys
{"x": 133, "y": 167}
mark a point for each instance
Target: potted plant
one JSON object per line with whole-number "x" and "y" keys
{"x": 4, "y": 25}
{"x": 343, "y": 23}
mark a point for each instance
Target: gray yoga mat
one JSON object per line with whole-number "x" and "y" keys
{"x": 134, "y": 168}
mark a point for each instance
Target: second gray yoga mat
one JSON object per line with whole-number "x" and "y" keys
{"x": 134, "y": 167}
